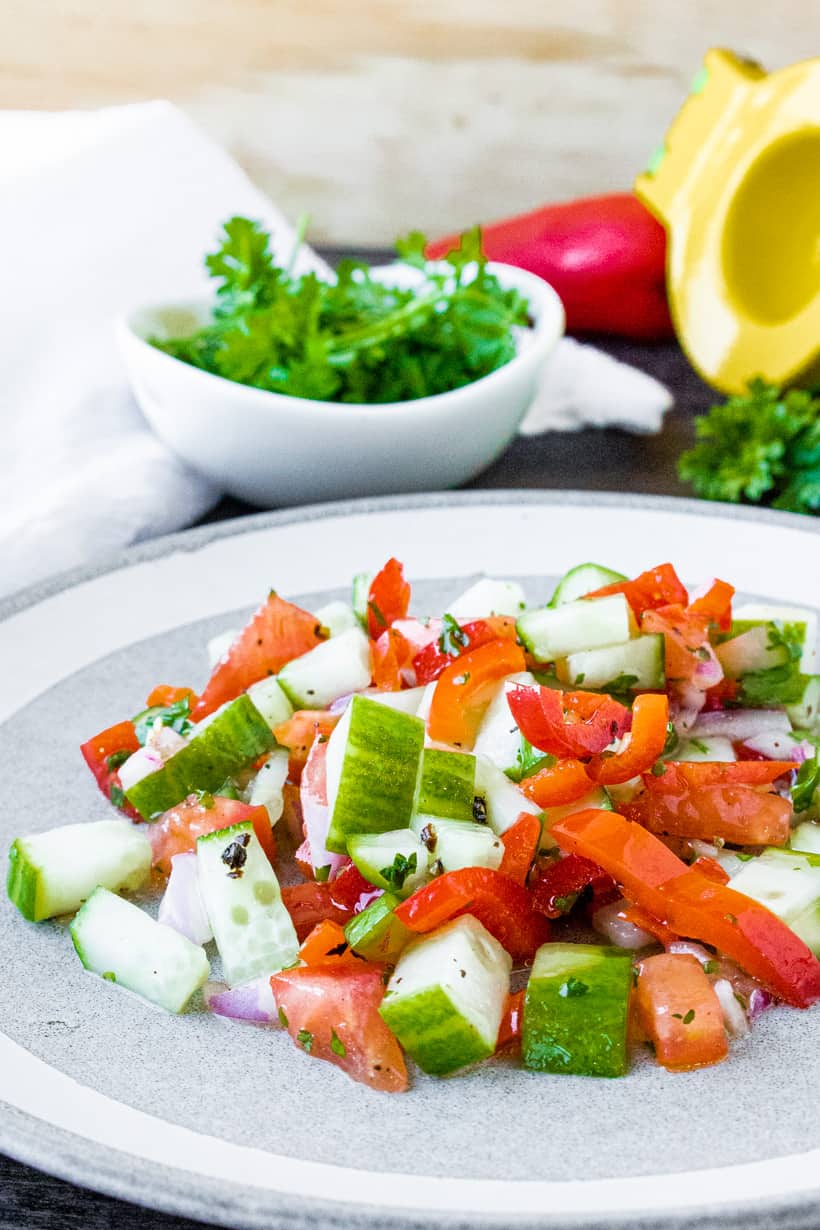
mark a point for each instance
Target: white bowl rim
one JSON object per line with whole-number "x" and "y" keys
{"x": 545, "y": 334}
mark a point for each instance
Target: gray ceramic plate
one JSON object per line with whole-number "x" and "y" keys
{"x": 231, "y": 1123}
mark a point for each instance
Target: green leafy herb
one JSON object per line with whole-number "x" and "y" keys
{"x": 336, "y": 1045}
{"x": 176, "y": 716}
{"x": 453, "y": 638}
{"x": 620, "y": 684}
{"x": 711, "y": 966}
{"x": 117, "y": 796}
{"x": 352, "y": 339}
{"x": 658, "y": 769}
{"x": 305, "y": 1039}
{"x": 807, "y": 783}
{"x": 573, "y": 988}
{"x": 699, "y": 746}
{"x": 564, "y": 904}
{"x": 579, "y": 679}
{"x": 688, "y": 1019}
{"x": 114, "y": 761}
{"x": 760, "y": 445}
{"x": 375, "y": 611}
{"x": 283, "y": 1019}
{"x": 399, "y": 870}
{"x": 110, "y": 976}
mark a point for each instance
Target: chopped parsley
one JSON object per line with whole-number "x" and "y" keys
{"x": 117, "y": 796}
{"x": 687, "y": 1019}
{"x": 807, "y": 784}
{"x": 399, "y": 870}
{"x": 305, "y": 1039}
{"x": 573, "y": 988}
{"x": 114, "y": 761}
{"x": 453, "y": 638}
{"x": 283, "y": 1020}
{"x": 621, "y": 683}
{"x": 564, "y": 904}
{"x": 336, "y": 1045}
{"x": 177, "y": 717}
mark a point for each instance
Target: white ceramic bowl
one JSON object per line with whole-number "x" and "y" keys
{"x": 273, "y": 450}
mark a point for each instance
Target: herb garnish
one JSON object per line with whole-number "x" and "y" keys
{"x": 352, "y": 339}
{"x": 176, "y": 716}
{"x": 283, "y": 1020}
{"x": 573, "y": 988}
{"x": 336, "y": 1045}
{"x": 116, "y": 759}
{"x": 453, "y": 638}
{"x": 305, "y": 1038}
{"x": 399, "y": 869}
{"x": 807, "y": 783}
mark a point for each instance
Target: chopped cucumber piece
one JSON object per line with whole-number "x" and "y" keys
{"x": 122, "y": 944}
{"x": 711, "y": 747}
{"x": 787, "y": 882}
{"x": 488, "y": 597}
{"x": 757, "y": 649}
{"x": 583, "y": 579}
{"x": 235, "y": 737}
{"x": 55, "y": 872}
{"x": 219, "y": 645}
{"x": 360, "y": 595}
{"x": 552, "y": 633}
{"x": 266, "y": 789}
{"x": 337, "y": 617}
{"x": 398, "y": 861}
{"x": 806, "y": 837}
{"x": 376, "y": 934}
{"x": 334, "y": 668}
{"x": 253, "y": 930}
{"x": 498, "y": 800}
{"x": 373, "y": 763}
{"x": 576, "y": 1010}
{"x": 446, "y": 997}
{"x": 447, "y": 785}
{"x": 804, "y": 712}
{"x": 454, "y": 844}
{"x": 271, "y": 701}
{"x": 408, "y": 700}
{"x": 797, "y": 625}
{"x": 634, "y": 666}
{"x": 499, "y": 738}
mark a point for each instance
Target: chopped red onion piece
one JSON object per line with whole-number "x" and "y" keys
{"x": 780, "y": 745}
{"x": 689, "y": 949}
{"x": 734, "y": 1018}
{"x": 740, "y": 724}
{"x": 340, "y": 704}
{"x": 251, "y": 1001}
{"x": 759, "y": 1001}
{"x": 619, "y": 931}
{"x": 182, "y": 907}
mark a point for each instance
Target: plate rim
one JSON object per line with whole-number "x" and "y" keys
{"x": 33, "y": 1141}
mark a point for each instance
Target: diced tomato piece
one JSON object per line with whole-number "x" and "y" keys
{"x": 104, "y": 754}
{"x": 275, "y": 634}
{"x": 430, "y": 661}
{"x": 465, "y": 689}
{"x": 712, "y": 869}
{"x": 177, "y": 830}
{"x": 645, "y": 742}
{"x": 656, "y": 587}
{"x": 716, "y": 604}
{"x": 326, "y": 943}
{"x": 520, "y": 847}
{"x": 690, "y": 663}
{"x": 351, "y": 891}
{"x": 558, "y": 885}
{"x": 710, "y": 801}
{"x": 164, "y": 694}
{"x": 388, "y": 598}
{"x": 558, "y": 784}
{"x": 680, "y": 1012}
{"x": 298, "y": 733}
{"x": 509, "y": 1031}
{"x": 575, "y": 724}
{"x": 390, "y": 654}
{"x": 501, "y": 905}
{"x": 694, "y": 906}
{"x": 311, "y": 903}
{"x": 332, "y": 1013}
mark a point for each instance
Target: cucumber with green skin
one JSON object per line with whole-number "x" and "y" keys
{"x": 454, "y": 844}
{"x": 271, "y": 701}
{"x": 376, "y": 934}
{"x": 787, "y": 882}
{"x": 360, "y": 596}
{"x": 804, "y": 711}
{"x": 446, "y": 997}
{"x": 498, "y": 800}
{"x": 330, "y": 670}
{"x": 232, "y": 740}
{"x": 337, "y": 617}
{"x": 252, "y": 928}
{"x": 373, "y": 770}
{"x": 397, "y": 860}
{"x": 447, "y": 785}
{"x": 550, "y": 633}
{"x": 634, "y": 666}
{"x": 755, "y": 649}
{"x": 53, "y": 873}
{"x": 122, "y": 944}
{"x": 581, "y": 580}
{"x": 576, "y": 1010}
{"x": 797, "y": 625}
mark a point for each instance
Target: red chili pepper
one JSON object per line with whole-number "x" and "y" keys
{"x": 558, "y": 885}
{"x": 605, "y": 255}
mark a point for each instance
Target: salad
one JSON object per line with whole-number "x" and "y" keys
{"x": 554, "y": 832}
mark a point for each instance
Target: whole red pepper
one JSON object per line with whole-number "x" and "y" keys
{"x": 604, "y": 255}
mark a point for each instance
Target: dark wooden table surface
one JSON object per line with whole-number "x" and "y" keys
{"x": 604, "y": 460}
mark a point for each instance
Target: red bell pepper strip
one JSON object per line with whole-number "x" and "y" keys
{"x": 558, "y": 784}
{"x": 646, "y": 741}
{"x": 432, "y": 660}
{"x": 164, "y": 694}
{"x": 647, "y": 922}
{"x": 712, "y": 869}
{"x": 694, "y": 906}
{"x": 605, "y": 255}
{"x": 501, "y": 905}
{"x": 716, "y": 604}
{"x": 520, "y": 844}
{"x": 276, "y": 633}
{"x": 576, "y": 724}
{"x": 652, "y": 589}
{"x": 326, "y": 944}
{"x": 388, "y": 598}
{"x": 509, "y": 1031}
{"x": 104, "y": 754}
{"x": 558, "y": 885}
{"x": 680, "y": 1012}
{"x": 465, "y": 689}
{"x": 390, "y": 654}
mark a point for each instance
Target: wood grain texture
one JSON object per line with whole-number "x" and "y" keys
{"x": 381, "y": 115}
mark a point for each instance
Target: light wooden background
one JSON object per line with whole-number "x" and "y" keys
{"x": 381, "y": 115}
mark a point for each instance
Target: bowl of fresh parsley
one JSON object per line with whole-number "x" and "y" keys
{"x": 285, "y": 389}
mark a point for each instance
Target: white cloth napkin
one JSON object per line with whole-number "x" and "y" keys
{"x": 101, "y": 211}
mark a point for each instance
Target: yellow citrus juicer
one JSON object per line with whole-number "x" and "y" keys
{"x": 737, "y": 186}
